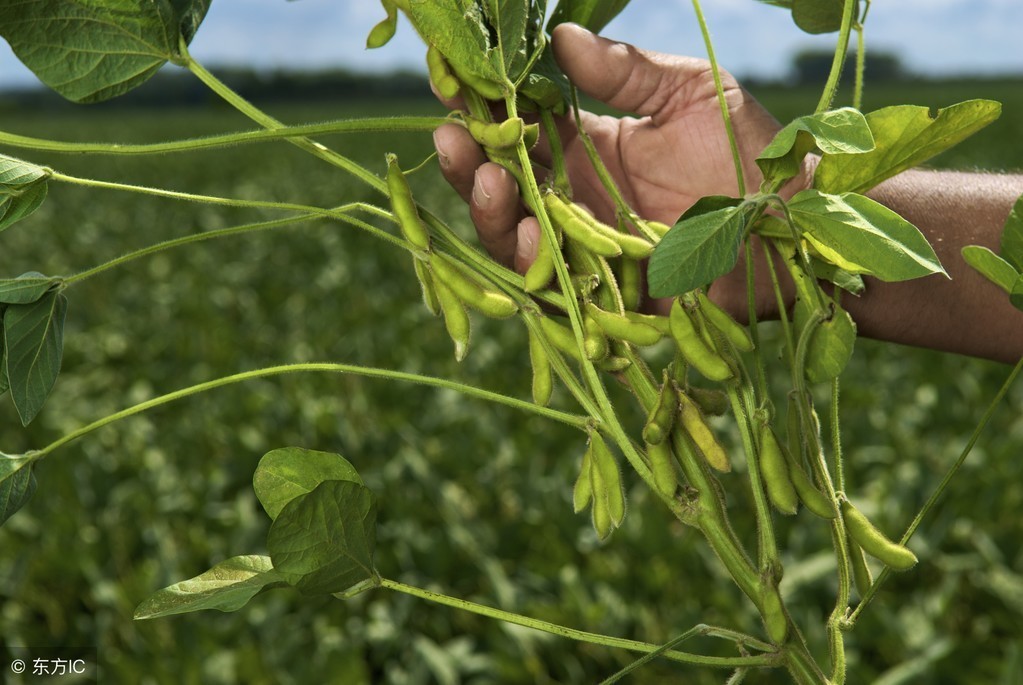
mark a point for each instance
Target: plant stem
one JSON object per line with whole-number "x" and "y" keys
{"x": 763, "y": 660}
{"x": 726, "y": 116}
{"x": 368, "y": 125}
{"x": 831, "y": 87}
{"x": 933, "y": 499}
{"x": 576, "y": 421}
{"x": 861, "y": 62}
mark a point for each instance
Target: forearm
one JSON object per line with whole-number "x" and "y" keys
{"x": 965, "y": 314}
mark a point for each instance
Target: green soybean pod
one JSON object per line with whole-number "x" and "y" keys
{"x": 773, "y": 612}
{"x": 631, "y": 284}
{"x": 653, "y": 320}
{"x": 700, "y": 433}
{"x": 662, "y": 466}
{"x": 494, "y": 304}
{"x": 774, "y": 469}
{"x": 662, "y": 417}
{"x": 561, "y": 337}
{"x": 733, "y": 331}
{"x": 658, "y": 228}
{"x": 531, "y": 136}
{"x": 456, "y": 319}
{"x": 633, "y": 246}
{"x": 710, "y": 401}
{"x": 692, "y": 346}
{"x": 578, "y": 230}
{"x": 874, "y": 542}
{"x": 594, "y": 341}
{"x": 440, "y": 75}
{"x": 541, "y": 272}
{"x": 606, "y": 466}
{"x": 426, "y": 284}
{"x": 543, "y": 379}
{"x": 861, "y": 572}
{"x": 404, "y": 207}
{"x": 380, "y": 34}
{"x": 600, "y": 509}
{"x": 614, "y": 364}
{"x": 582, "y": 491}
{"x": 620, "y": 327}
{"x": 496, "y": 135}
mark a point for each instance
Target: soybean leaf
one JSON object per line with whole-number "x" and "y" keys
{"x": 34, "y": 343}
{"x": 95, "y": 50}
{"x": 593, "y": 14}
{"x": 904, "y": 136}
{"x": 458, "y": 29}
{"x": 991, "y": 267}
{"x": 14, "y": 208}
{"x": 15, "y": 492}
{"x": 863, "y": 236}
{"x": 546, "y": 84}
{"x": 1016, "y": 296}
{"x": 851, "y": 283}
{"x": 16, "y": 174}
{"x": 1012, "y": 236}
{"x": 26, "y": 288}
{"x": 4, "y": 383}
{"x": 509, "y": 19}
{"x": 228, "y": 586}
{"x": 820, "y": 16}
{"x": 322, "y": 542}
{"x": 830, "y": 346}
{"x": 703, "y": 245}
{"x": 286, "y": 473}
{"x": 838, "y": 131}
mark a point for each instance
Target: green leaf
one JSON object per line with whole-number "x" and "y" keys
{"x": 94, "y": 50}
{"x": 546, "y": 85}
{"x": 904, "y": 136}
{"x": 698, "y": 249}
{"x": 509, "y": 18}
{"x": 16, "y": 174}
{"x": 849, "y": 282}
{"x": 840, "y": 131}
{"x": 290, "y": 472}
{"x": 593, "y": 14}
{"x": 1016, "y": 296}
{"x": 15, "y": 492}
{"x": 34, "y": 344}
{"x": 14, "y": 208}
{"x": 830, "y": 346}
{"x": 4, "y": 383}
{"x": 228, "y": 586}
{"x": 458, "y": 29}
{"x": 991, "y": 266}
{"x": 322, "y": 542}
{"x": 863, "y": 236}
{"x": 27, "y": 288}
{"x": 820, "y": 16}
{"x": 1012, "y": 236}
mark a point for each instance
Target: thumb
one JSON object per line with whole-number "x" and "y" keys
{"x": 622, "y": 75}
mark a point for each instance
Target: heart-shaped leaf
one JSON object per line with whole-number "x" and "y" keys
{"x": 290, "y": 472}
{"x": 323, "y": 541}
{"x": 840, "y": 131}
{"x": 228, "y": 586}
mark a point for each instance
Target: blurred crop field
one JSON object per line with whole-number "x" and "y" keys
{"x": 474, "y": 499}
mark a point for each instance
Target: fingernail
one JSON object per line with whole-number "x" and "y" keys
{"x": 480, "y": 196}
{"x": 442, "y": 156}
{"x": 525, "y": 248}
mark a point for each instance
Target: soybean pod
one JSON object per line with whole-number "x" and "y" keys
{"x": 543, "y": 379}
{"x": 426, "y": 284}
{"x": 456, "y": 319}
{"x": 491, "y": 302}
{"x": 620, "y": 327}
{"x": 440, "y": 75}
{"x": 774, "y": 470}
{"x": 541, "y": 272}
{"x": 496, "y": 135}
{"x": 874, "y": 542}
{"x": 700, "y": 433}
{"x": 662, "y": 466}
{"x": 731, "y": 329}
{"x": 404, "y": 206}
{"x": 693, "y": 347}
{"x": 605, "y": 464}
{"x": 578, "y": 230}
{"x": 582, "y": 491}
{"x": 631, "y": 280}
{"x": 861, "y": 572}
{"x": 632, "y": 246}
{"x": 662, "y": 417}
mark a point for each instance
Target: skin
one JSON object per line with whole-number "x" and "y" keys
{"x": 674, "y": 151}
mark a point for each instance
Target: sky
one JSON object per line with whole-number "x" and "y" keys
{"x": 933, "y": 37}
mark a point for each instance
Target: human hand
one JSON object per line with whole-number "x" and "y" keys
{"x": 675, "y": 152}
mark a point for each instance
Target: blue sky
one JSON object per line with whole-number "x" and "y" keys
{"x": 931, "y": 36}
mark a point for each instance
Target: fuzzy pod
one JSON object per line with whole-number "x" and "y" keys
{"x": 543, "y": 379}
{"x": 694, "y": 348}
{"x": 594, "y": 341}
{"x": 662, "y": 466}
{"x": 662, "y": 417}
{"x": 712, "y": 402}
{"x": 404, "y": 206}
{"x": 860, "y": 571}
{"x": 426, "y": 285}
{"x": 701, "y": 434}
{"x": 773, "y": 612}
{"x": 443, "y": 80}
{"x": 582, "y": 491}
{"x": 732, "y": 330}
{"x": 633, "y": 246}
{"x": 658, "y": 228}
{"x": 605, "y": 464}
{"x": 456, "y": 319}
{"x": 653, "y": 320}
{"x": 496, "y": 135}
{"x": 600, "y": 510}
{"x": 561, "y": 336}
{"x": 488, "y": 301}
{"x": 631, "y": 283}
{"x": 874, "y": 542}
{"x": 541, "y": 272}
{"x": 813, "y": 499}
{"x": 774, "y": 470}
{"x": 579, "y": 230}
{"x": 620, "y": 327}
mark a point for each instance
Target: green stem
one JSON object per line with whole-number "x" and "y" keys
{"x": 210, "y": 235}
{"x": 831, "y": 87}
{"x": 861, "y": 61}
{"x": 368, "y": 125}
{"x": 559, "y": 170}
{"x": 696, "y": 631}
{"x": 949, "y": 475}
{"x": 751, "y": 303}
{"x": 726, "y": 116}
{"x": 570, "y": 419}
{"x": 762, "y": 660}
